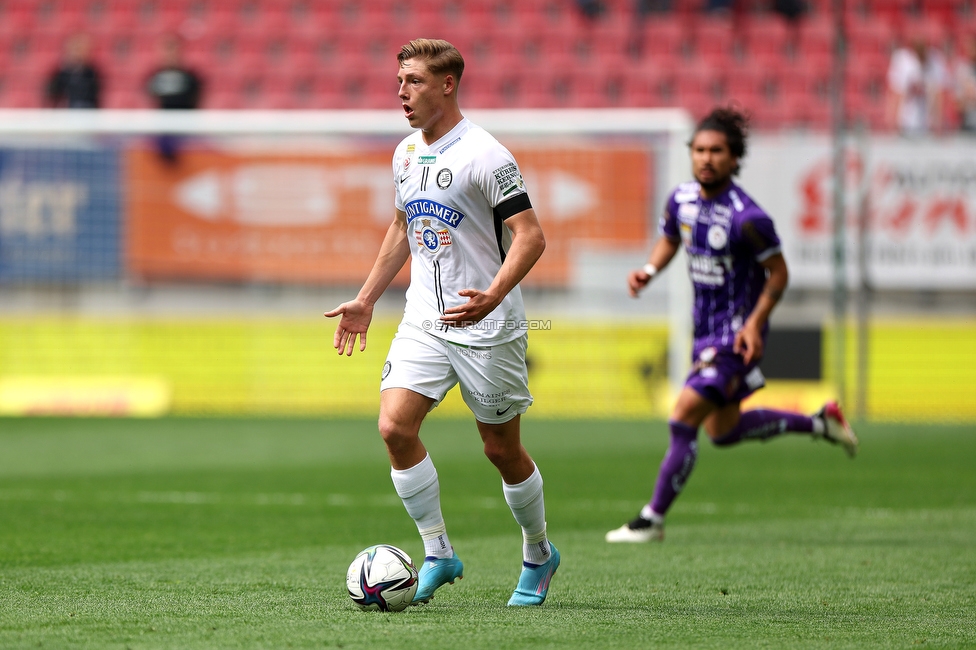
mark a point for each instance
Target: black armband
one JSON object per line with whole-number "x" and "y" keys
{"x": 511, "y": 207}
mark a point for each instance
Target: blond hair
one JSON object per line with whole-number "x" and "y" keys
{"x": 440, "y": 56}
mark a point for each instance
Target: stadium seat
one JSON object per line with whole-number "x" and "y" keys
{"x": 19, "y": 98}
{"x": 766, "y": 115}
{"x": 808, "y": 112}
{"x": 649, "y": 85}
{"x": 695, "y": 102}
{"x": 663, "y": 39}
{"x": 751, "y": 83}
{"x": 867, "y": 111}
{"x": 946, "y": 11}
{"x": 768, "y": 37}
{"x": 889, "y": 10}
{"x": 124, "y": 98}
{"x": 699, "y": 77}
{"x": 816, "y": 37}
{"x": 610, "y": 36}
{"x": 714, "y": 38}
{"x": 871, "y": 37}
{"x": 866, "y": 86}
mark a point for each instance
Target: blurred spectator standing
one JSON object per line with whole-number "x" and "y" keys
{"x": 719, "y": 6}
{"x": 964, "y": 85}
{"x": 77, "y": 82}
{"x": 591, "y": 9}
{"x": 791, "y": 10}
{"x": 917, "y": 80}
{"x": 644, "y": 7}
{"x": 173, "y": 86}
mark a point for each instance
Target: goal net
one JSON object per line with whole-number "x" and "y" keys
{"x": 180, "y": 261}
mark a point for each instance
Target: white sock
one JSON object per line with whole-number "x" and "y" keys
{"x": 819, "y": 427}
{"x": 650, "y": 515}
{"x": 529, "y": 508}
{"x": 420, "y": 492}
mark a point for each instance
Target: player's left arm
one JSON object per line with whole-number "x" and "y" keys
{"x": 528, "y": 243}
{"x": 749, "y": 340}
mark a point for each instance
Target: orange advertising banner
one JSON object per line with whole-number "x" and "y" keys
{"x": 321, "y": 217}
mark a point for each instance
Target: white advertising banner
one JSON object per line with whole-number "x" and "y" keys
{"x": 920, "y": 208}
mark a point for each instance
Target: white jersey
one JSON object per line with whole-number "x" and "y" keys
{"x": 457, "y": 193}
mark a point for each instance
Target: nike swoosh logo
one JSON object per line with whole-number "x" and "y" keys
{"x": 499, "y": 412}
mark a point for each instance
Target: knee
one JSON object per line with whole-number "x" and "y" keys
{"x": 395, "y": 434}
{"x": 499, "y": 454}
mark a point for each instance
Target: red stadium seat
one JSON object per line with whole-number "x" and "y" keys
{"x": 696, "y": 103}
{"x": 19, "y": 98}
{"x": 699, "y": 77}
{"x": 871, "y": 112}
{"x": 769, "y": 36}
{"x": 891, "y": 10}
{"x": 649, "y": 85}
{"x": 945, "y": 11}
{"x": 714, "y": 38}
{"x": 771, "y": 115}
{"x": 870, "y": 37}
{"x": 808, "y": 112}
{"x": 816, "y": 37}
{"x": 611, "y": 35}
{"x": 659, "y": 38}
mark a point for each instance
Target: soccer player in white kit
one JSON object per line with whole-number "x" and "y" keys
{"x": 464, "y": 218}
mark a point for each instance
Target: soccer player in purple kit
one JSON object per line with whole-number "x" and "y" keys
{"x": 739, "y": 274}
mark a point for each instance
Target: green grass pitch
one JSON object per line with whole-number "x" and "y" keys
{"x": 223, "y": 533}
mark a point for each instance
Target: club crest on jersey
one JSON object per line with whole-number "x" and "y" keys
{"x": 431, "y": 238}
{"x": 432, "y": 209}
{"x": 444, "y": 178}
{"x": 717, "y": 237}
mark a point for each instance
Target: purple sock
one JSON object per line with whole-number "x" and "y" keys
{"x": 762, "y": 424}
{"x": 676, "y": 466}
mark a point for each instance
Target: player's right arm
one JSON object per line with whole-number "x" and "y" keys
{"x": 662, "y": 253}
{"x": 357, "y": 313}
{"x": 664, "y": 249}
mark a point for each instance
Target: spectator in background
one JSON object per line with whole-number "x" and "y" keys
{"x": 719, "y": 6}
{"x": 173, "y": 86}
{"x": 917, "y": 80}
{"x": 77, "y": 82}
{"x": 792, "y": 10}
{"x": 644, "y": 7}
{"x": 964, "y": 85}
{"x": 591, "y": 9}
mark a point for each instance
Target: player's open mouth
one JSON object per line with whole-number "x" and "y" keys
{"x": 407, "y": 111}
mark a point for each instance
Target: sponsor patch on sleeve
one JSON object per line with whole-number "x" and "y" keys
{"x": 508, "y": 178}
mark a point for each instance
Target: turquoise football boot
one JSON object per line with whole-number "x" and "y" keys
{"x": 434, "y": 573}
{"x": 533, "y": 584}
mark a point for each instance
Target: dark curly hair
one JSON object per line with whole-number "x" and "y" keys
{"x": 733, "y": 123}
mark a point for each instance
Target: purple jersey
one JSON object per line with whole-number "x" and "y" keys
{"x": 726, "y": 240}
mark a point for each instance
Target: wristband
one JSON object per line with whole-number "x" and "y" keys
{"x": 650, "y": 269}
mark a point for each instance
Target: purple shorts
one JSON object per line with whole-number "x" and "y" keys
{"x": 720, "y": 376}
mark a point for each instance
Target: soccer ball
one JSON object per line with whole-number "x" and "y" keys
{"x": 383, "y": 578}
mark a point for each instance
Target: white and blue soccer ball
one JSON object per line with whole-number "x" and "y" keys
{"x": 383, "y": 578}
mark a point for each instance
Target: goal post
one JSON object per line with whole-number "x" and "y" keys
{"x": 143, "y": 213}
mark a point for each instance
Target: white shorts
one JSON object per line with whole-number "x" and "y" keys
{"x": 494, "y": 380}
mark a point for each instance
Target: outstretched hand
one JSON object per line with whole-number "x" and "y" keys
{"x": 637, "y": 280}
{"x": 479, "y": 305}
{"x": 356, "y": 316}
